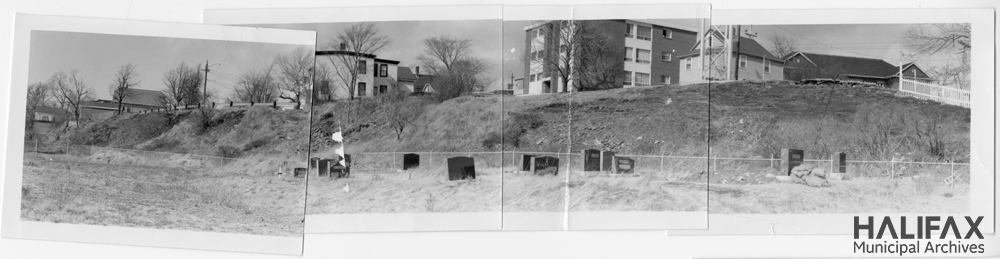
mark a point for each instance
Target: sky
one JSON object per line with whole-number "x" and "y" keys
{"x": 879, "y": 41}
{"x": 98, "y": 57}
{"x": 513, "y": 42}
{"x": 407, "y": 38}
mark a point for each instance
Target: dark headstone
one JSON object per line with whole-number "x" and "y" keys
{"x": 624, "y": 165}
{"x": 313, "y": 162}
{"x": 324, "y": 167}
{"x": 526, "y": 162}
{"x": 542, "y": 165}
{"x": 410, "y": 160}
{"x": 607, "y": 162}
{"x": 840, "y": 160}
{"x": 591, "y": 160}
{"x": 300, "y": 172}
{"x": 461, "y": 168}
{"x": 790, "y": 158}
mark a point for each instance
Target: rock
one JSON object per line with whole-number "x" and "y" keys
{"x": 814, "y": 181}
{"x": 819, "y": 172}
{"x": 769, "y": 175}
{"x": 801, "y": 170}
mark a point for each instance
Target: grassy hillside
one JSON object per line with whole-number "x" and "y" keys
{"x": 226, "y": 132}
{"x": 637, "y": 121}
{"x": 758, "y": 119}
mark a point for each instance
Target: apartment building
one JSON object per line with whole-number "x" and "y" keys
{"x": 647, "y": 50}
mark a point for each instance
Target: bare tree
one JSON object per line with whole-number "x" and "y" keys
{"x": 125, "y": 79}
{"x": 360, "y": 41}
{"x": 183, "y": 85}
{"x": 71, "y": 91}
{"x": 954, "y": 38}
{"x": 577, "y": 52}
{"x": 467, "y": 75}
{"x": 256, "y": 86}
{"x": 455, "y": 69}
{"x": 322, "y": 77}
{"x": 783, "y": 46}
{"x": 295, "y": 72}
{"x": 39, "y": 94}
{"x": 446, "y": 50}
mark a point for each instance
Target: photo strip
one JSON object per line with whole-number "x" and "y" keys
{"x": 417, "y": 100}
{"x": 638, "y": 134}
{"x": 825, "y": 119}
{"x": 157, "y": 134}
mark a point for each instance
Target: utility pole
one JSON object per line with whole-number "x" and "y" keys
{"x": 204, "y": 91}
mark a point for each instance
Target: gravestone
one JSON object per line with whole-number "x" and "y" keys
{"x": 607, "y": 158}
{"x": 323, "y": 166}
{"x": 345, "y": 167}
{"x": 410, "y": 160}
{"x": 542, "y": 165}
{"x": 591, "y": 160}
{"x": 624, "y": 165}
{"x": 300, "y": 172}
{"x": 526, "y": 162}
{"x": 840, "y": 160}
{"x": 461, "y": 168}
{"x": 313, "y": 162}
{"x": 790, "y": 158}
{"x": 339, "y": 171}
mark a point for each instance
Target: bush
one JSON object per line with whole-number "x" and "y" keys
{"x": 229, "y": 151}
{"x": 256, "y": 144}
{"x": 514, "y": 126}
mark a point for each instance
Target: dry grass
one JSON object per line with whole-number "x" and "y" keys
{"x": 425, "y": 190}
{"x": 866, "y": 195}
{"x": 69, "y": 189}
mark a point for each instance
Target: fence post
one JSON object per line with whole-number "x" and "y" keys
{"x": 892, "y": 168}
{"x": 230, "y": 103}
{"x": 772, "y": 160}
{"x": 661, "y": 162}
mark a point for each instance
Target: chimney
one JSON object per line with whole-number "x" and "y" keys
{"x": 418, "y": 71}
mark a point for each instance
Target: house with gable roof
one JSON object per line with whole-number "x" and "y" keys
{"x": 870, "y": 70}
{"x": 750, "y": 60}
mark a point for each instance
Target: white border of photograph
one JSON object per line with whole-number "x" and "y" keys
{"x": 13, "y": 227}
{"x": 639, "y": 220}
{"x": 376, "y": 222}
{"x": 982, "y": 136}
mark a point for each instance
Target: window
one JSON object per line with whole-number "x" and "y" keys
{"x": 668, "y": 34}
{"x": 628, "y": 30}
{"x": 532, "y": 78}
{"x": 628, "y": 54}
{"x": 743, "y": 61}
{"x": 641, "y": 79}
{"x": 687, "y": 63}
{"x": 383, "y": 89}
{"x": 667, "y": 56}
{"x": 767, "y": 66}
{"x": 665, "y": 79}
{"x": 362, "y": 67}
{"x": 362, "y": 89}
{"x": 383, "y": 70}
{"x": 628, "y": 78}
{"x": 644, "y": 33}
{"x": 643, "y": 56}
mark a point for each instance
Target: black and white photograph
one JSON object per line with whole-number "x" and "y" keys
{"x": 838, "y": 119}
{"x": 161, "y": 132}
{"x": 417, "y": 107}
{"x": 876, "y": 115}
{"x": 639, "y": 134}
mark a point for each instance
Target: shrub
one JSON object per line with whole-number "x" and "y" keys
{"x": 256, "y": 144}
{"x": 229, "y": 151}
